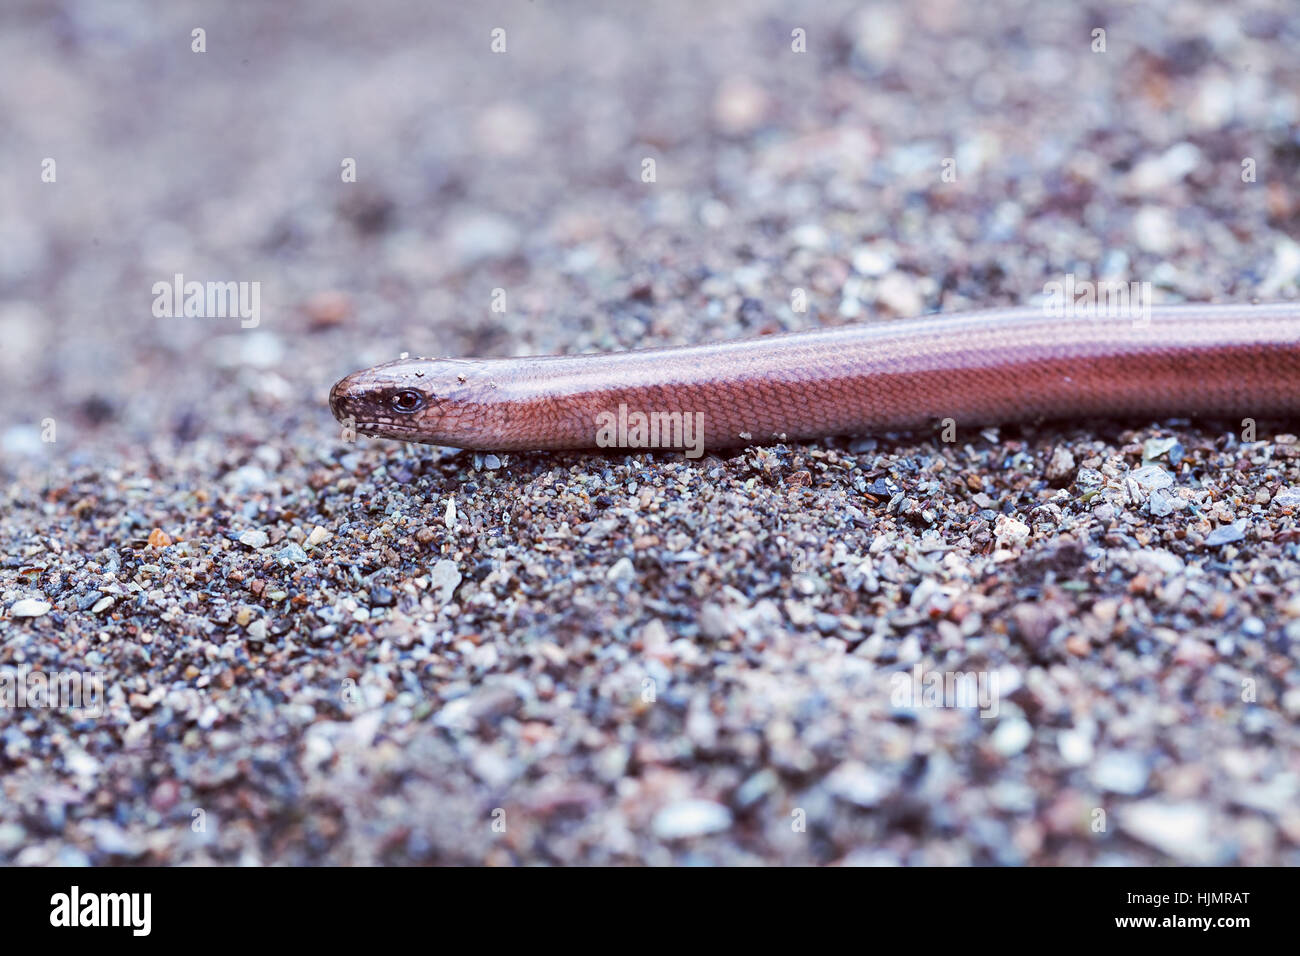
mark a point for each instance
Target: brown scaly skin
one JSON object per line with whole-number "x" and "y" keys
{"x": 976, "y": 368}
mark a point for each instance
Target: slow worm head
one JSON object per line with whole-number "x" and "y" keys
{"x": 437, "y": 401}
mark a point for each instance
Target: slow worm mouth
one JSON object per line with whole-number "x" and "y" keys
{"x": 389, "y": 430}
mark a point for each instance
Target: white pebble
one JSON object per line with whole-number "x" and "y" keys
{"x": 29, "y": 607}
{"x": 1012, "y": 736}
{"x": 254, "y": 539}
{"x": 1181, "y": 830}
{"x": 810, "y": 237}
{"x": 1009, "y": 532}
{"x": 691, "y": 818}
{"x": 1120, "y": 772}
{"x": 872, "y": 262}
{"x": 898, "y": 292}
{"x": 1153, "y": 229}
{"x": 445, "y": 578}
{"x": 1075, "y": 747}
{"x": 857, "y": 784}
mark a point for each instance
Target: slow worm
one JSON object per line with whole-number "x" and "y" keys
{"x": 976, "y": 368}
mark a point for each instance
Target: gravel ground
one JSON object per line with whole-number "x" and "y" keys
{"x": 317, "y": 651}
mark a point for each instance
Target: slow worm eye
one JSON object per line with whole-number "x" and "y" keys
{"x": 406, "y": 401}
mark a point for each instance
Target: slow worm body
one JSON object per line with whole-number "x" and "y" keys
{"x": 975, "y": 368}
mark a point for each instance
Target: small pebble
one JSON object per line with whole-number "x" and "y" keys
{"x": 857, "y": 784}
{"x": 444, "y": 578}
{"x": 1012, "y": 737}
{"x": 1120, "y": 772}
{"x": 254, "y": 539}
{"x": 1227, "y": 533}
{"x": 29, "y": 607}
{"x": 1287, "y": 498}
{"x": 292, "y": 553}
{"x": 691, "y": 818}
{"x": 1180, "y": 830}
